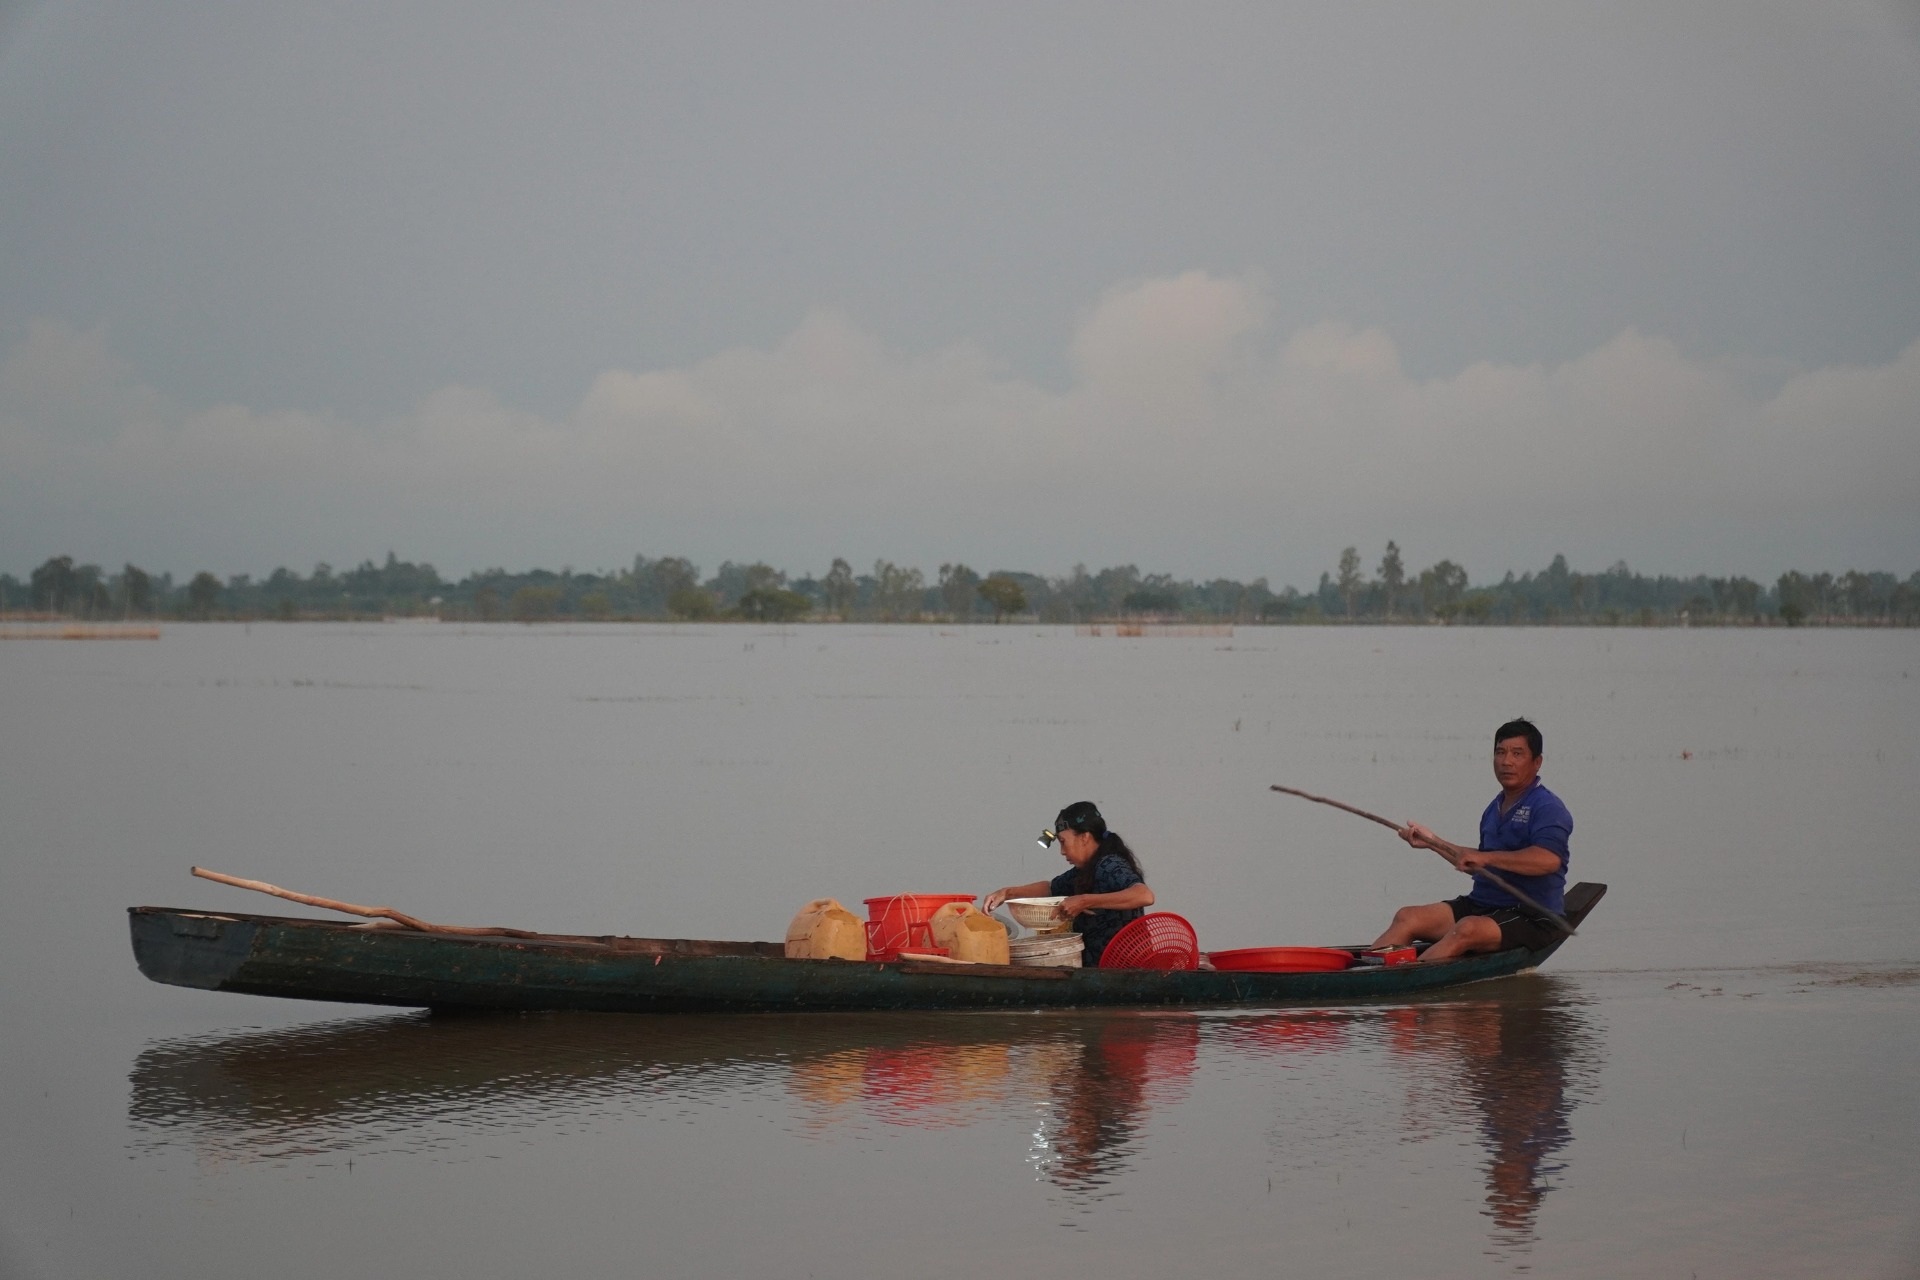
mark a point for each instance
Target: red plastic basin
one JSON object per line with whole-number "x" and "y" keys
{"x": 903, "y": 922}
{"x": 1283, "y": 959}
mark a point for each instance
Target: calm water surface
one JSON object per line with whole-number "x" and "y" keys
{"x": 1715, "y": 1079}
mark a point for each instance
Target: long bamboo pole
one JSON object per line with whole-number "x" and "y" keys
{"x": 377, "y": 913}
{"x": 1501, "y": 881}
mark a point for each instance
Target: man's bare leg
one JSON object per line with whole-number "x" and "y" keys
{"x": 1429, "y": 923}
{"x": 1470, "y": 935}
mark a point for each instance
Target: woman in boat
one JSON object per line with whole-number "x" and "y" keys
{"x": 1104, "y": 887}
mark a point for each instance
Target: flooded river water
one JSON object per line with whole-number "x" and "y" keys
{"x": 1714, "y": 1079}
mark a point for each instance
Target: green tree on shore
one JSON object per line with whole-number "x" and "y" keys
{"x": 534, "y": 604}
{"x": 959, "y": 587}
{"x": 1441, "y": 588}
{"x": 757, "y": 591}
{"x": 692, "y": 604}
{"x": 1393, "y": 575}
{"x": 897, "y": 591}
{"x": 1348, "y": 581}
{"x": 1003, "y": 595}
{"x": 52, "y": 584}
{"x": 203, "y": 593}
{"x": 840, "y": 589}
{"x": 772, "y": 604}
{"x": 136, "y": 589}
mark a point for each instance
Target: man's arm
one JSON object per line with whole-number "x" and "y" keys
{"x": 1531, "y": 861}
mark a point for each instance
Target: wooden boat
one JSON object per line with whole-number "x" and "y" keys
{"x": 306, "y": 959}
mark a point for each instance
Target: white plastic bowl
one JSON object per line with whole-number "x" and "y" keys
{"x": 1035, "y": 913}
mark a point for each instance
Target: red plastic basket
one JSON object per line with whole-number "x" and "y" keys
{"x": 1162, "y": 940}
{"x": 1283, "y": 959}
{"x": 904, "y": 922}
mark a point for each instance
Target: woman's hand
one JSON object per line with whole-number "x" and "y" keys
{"x": 1074, "y": 905}
{"x": 994, "y": 900}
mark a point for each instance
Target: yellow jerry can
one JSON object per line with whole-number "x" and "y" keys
{"x": 967, "y": 934}
{"x": 825, "y": 930}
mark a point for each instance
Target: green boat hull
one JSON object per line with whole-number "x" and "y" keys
{"x": 306, "y": 959}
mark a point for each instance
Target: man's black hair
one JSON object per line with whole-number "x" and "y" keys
{"x": 1522, "y": 728}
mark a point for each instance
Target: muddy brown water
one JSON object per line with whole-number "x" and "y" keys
{"x": 1714, "y": 1079}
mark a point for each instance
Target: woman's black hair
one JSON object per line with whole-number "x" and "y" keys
{"x": 1081, "y": 815}
{"x": 1084, "y": 815}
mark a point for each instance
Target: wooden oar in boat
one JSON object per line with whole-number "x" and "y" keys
{"x": 1495, "y": 877}
{"x": 378, "y": 913}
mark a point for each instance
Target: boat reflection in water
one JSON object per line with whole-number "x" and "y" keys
{"x": 417, "y": 1082}
{"x": 1503, "y": 1062}
{"x": 1104, "y": 1089}
{"x": 1519, "y": 1065}
{"x": 1090, "y": 1083}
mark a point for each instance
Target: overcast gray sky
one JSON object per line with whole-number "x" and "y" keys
{"x": 1215, "y": 289}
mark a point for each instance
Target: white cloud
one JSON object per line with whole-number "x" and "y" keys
{"x": 1161, "y": 339}
{"x": 1193, "y": 437}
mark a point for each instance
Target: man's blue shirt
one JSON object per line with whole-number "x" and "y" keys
{"x": 1537, "y": 818}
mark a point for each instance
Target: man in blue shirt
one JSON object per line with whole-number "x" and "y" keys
{"x": 1523, "y": 839}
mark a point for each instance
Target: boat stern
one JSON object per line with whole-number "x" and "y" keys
{"x": 189, "y": 948}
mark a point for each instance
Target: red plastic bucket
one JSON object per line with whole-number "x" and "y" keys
{"x": 904, "y": 922}
{"x": 1283, "y": 959}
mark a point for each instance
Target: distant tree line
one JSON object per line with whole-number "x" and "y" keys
{"x": 672, "y": 587}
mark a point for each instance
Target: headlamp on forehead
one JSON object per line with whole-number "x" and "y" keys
{"x": 1046, "y": 839}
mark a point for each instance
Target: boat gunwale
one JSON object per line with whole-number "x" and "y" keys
{"x": 614, "y": 944}
{"x": 685, "y": 948}
{"x": 623, "y": 944}
{"x": 303, "y": 957}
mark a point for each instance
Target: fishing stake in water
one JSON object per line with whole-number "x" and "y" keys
{"x": 1495, "y": 877}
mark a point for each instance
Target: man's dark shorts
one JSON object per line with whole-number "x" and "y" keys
{"x": 1518, "y": 926}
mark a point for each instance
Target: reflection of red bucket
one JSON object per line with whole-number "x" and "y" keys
{"x": 906, "y": 1078}
{"x": 904, "y": 922}
{"x": 933, "y": 1085}
{"x": 1283, "y": 959}
{"x": 1307, "y": 1031}
{"x": 1155, "y": 1055}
